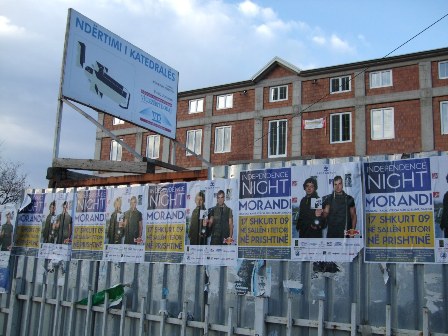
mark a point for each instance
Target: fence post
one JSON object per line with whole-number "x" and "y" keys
{"x": 425, "y": 321}
{"x": 261, "y": 310}
{"x": 320, "y": 322}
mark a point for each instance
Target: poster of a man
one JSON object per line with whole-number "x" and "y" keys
{"x": 220, "y": 223}
{"x": 48, "y": 234}
{"x": 197, "y": 232}
{"x": 310, "y": 221}
{"x": 444, "y": 219}
{"x": 116, "y": 223}
{"x": 63, "y": 226}
{"x": 6, "y": 233}
{"x": 133, "y": 225}
{"x": 339, "y": 211}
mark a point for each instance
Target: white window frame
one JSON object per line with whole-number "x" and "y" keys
{"x": 444, "y": 117}
{"x": 278, "y": 139}
{"x": 341, "y": 127}
{"x": 153, "y": 146}
{"x": 380, "y": 79}
{"x": 196, "y": 105}
{"x": 275, "y": 93}
{"x": 117, "y": 121}
{"x": 194, "y": 141}
{"x": 381, "y": 131}
{"x": 224, "y": 101}
{"x": 338, "y": 88}
{"x": 443, "y": 66}
{"x": 223, "y": 139}
{"x": 116, "y": 150}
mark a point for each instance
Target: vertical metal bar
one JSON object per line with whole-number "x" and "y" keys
{"x": 261, "y": 310}
{"x": 142, "y": 316}
{"x": 289, "y": 317}
{"x": 122, "y": 315}
{"x": 42, "y": 310}
{"x": 353, "y": 320}
{"x": 26, "y": 311}
{"x": 88, "y": 313}
{"x": 72, "y": 313}
{"x": 320, "y": 322}
{"x": 105, "y": 307}
{"x": 163, "y": 312}
{"x": 230, "y": 322}
{"x": 388, "y": 321}
{"x": 425, "y": 321}
{"x": 57, "y": 130}
{"x": 206, "y": 317}
{"x": 12, "y": 308}
{"x": 184, "y": 319}
{"x": 57, "y": 311}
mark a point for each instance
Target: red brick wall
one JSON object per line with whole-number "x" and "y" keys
{"x": 183, "y": 107}
{"x": 407, "y": 129}
{"x": 241, "y": 147}
{"x": 317, "y": 142}
{"x": 313, "y": 92}
{"x": 181, "y": 158}
{"x": 436, "y": 82}
{"x": 126, "y": 156}
{"x": 283, "y": 103}
{"x": 108, "y": 121}
{"x": 440, "y": 140}
{"x": 241, "y": 103}
{"x": 279, "y": 72}
{"x": 403, "y": 79}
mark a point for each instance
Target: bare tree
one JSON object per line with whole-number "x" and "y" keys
{"x": 12, "y": 182}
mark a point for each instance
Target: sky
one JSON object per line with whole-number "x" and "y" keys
{"x": 208, "y": 42}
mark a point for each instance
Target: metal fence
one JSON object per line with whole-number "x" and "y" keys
{"x": 354, "y": 298}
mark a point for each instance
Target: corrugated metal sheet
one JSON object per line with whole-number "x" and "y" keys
{"x": 161, "y": 299}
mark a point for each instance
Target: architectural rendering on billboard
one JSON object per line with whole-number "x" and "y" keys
{"x": 105, "y": 72}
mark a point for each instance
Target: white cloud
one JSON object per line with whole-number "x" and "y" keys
{"x": 319, "y": 40}
{"x": 340, "y": 45}
{"x": 6, "y": 28}
{"x": 265, "y": 30}
{"x": 248, "y": 8}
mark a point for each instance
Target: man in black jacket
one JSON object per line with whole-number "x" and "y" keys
{"x": 310, "y": 222}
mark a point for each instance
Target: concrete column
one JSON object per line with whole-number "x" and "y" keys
{"x": 165, "y": 155}
{"x": 359, "y": 119}
{"x": 208, "y": 112}
{"x": 258, "y": 98}
{"x": 97, "y": 154}
{"x": 138, "y": 144}
{"x": 207, "y": 142}
{"x": 258, "y": 125}
{"x": 296, "y": 136}
{"x": 426, "y": 112}
{"x": 258, "y": 140}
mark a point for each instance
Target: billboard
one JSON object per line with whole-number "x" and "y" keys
{"x": 107, "y": 73}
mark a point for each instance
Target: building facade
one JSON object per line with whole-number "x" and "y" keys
{"x": 384, "y": 106}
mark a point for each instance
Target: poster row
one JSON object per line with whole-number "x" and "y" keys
{"x": 395, "y": 210}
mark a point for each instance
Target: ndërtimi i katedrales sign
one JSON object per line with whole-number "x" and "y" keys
{"x": 399, "y": 211}
{"x": 104, "y": 71}
{"x": 165, "y": 223}
{"x": 264, "y": 214}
